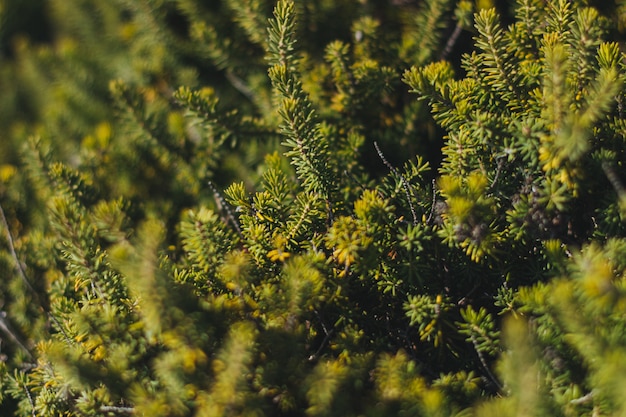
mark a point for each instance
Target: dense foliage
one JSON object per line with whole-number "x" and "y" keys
{"x": 321, "y": 208}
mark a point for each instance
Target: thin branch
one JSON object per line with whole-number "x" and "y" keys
{"x": 484, "y": 364}
{"x": 432, "y": 207}
{"x": 405, "y": 183}
{"x": 498, "y": 171}
{"x": 328, "y": 334}
{"x": 584, "y": 399}
{"x": 314, "y": 356}
{"x": 240, "y": 85}
{"x": 454, "y": 37}
{"x": 24, "y": 277}
{"x": 329, "y": 213}
{"x": 223, "y": 205}
{"x": 118, "y": 410}
{"x": 6, "y": 329}
{"x": 613, "y": 178}
{"x": 20, "y": 267}
{"x": 354, "y": 179}
{"x": 30, "y": 400}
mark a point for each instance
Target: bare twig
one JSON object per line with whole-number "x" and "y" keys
{"x": 584, "y": 399}
{"x": 405, "y": 183}
{"x": 354, "y": 179}
{"x": 454, "y": 37}
{"x": 484, "y": 364}
{"x": 328, "y": 334}
{"x": 498, "y": 171}
{"x": 314, "y": 356}
{"x": 7, "y": 329}
{"x": 432, "y": 207}
{"x": 240, "y": 85}
{"x": 30, "y": 400}
{"x": 613, "y": 178}
{"x": 20, "y": 267}
{"x": 224, "y": 206}
{"x": 118, "y": 410}
{"x": 22, "y": 273}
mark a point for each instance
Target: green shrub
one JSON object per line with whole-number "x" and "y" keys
{"x": 220, "y": 214}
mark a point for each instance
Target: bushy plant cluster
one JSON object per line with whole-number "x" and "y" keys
{"x": 320, "y": 208}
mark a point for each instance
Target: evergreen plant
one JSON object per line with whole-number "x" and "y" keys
{"x": 320, "y": 208}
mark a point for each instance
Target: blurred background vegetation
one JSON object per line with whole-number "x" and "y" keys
{"x": 58, "y": 58}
